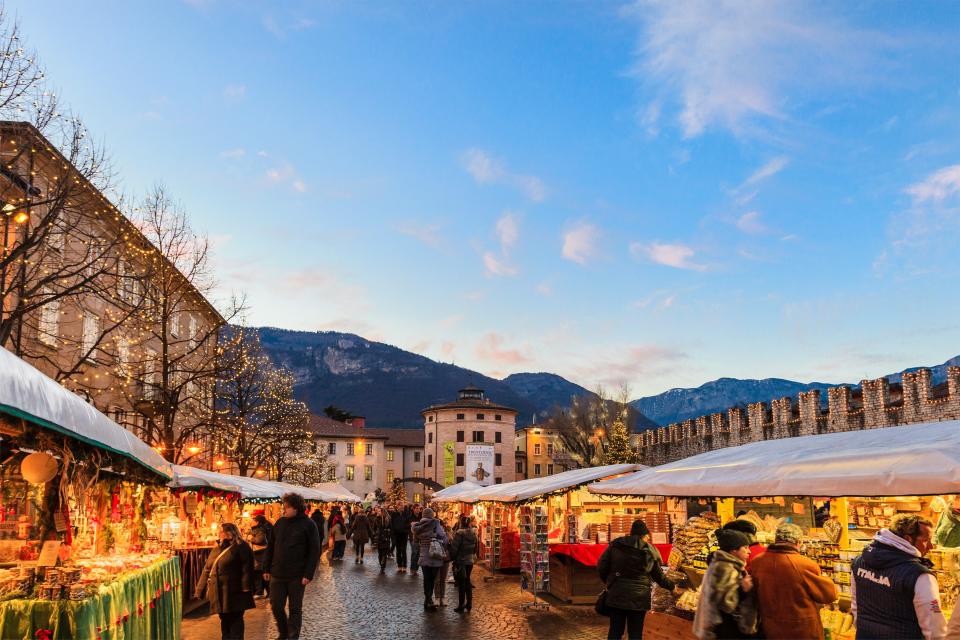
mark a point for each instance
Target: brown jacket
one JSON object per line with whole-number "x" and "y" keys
{"x": 790, "y": 591}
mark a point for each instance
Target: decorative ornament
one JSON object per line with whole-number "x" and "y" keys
{"x": 38, "y": 468}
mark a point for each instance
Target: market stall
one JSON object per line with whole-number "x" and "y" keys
{"x": 553, "y": 530}
{"x": 840, "y": 488}
{"x": 76, "y": 560}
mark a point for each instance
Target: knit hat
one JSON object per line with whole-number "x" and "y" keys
{"x": 790, "y": 533}
{"x": 731, "y": 539}
{"x": 428, "y": 513}
{"x": 743, "y": 526}
{"x": 639, "y": 528}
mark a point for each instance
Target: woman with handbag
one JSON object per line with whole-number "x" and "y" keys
{"x": 227, "y": 581}
{"x": 727, "y": 609}
{"x": 433, "y": 541}
{"x": 628, "y": 568}
{"x": 462, "y": 551}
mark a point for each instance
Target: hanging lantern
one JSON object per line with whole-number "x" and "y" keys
{"x": 38, "y": 468}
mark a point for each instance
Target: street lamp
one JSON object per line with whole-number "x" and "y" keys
{"x": 194, "y": 449}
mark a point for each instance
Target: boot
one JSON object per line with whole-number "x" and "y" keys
{"x": 460, "y": 599}
{"x": 428, "y": 605}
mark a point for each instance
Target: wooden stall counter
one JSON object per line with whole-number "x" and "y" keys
{"x": 663, "y": 626}
{"x": 573, "y": 571}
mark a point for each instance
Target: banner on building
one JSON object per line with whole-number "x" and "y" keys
{"x": 449, "y": 464}
{"x": 480, "y": 464}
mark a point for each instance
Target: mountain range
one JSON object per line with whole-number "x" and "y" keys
{"x": 390, "y": 386}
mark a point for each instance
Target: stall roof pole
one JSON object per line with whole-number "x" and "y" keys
{"x": 843, "y": 517}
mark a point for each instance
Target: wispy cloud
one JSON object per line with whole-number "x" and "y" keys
{"x": 768, "y": 170}
{"x": 233, "y": 154}
{"x": 491, "y": 349}
{"x": 733, "y": 64}
{"x": 495, "y": 266}
{"x": 508, "y": 231}
{"x": 750, "y": 224}
{"x": 677, "y": 256}
{"x": 627, "y": 363}
{"x": 235, "y": 91}
{"x": 286, "y": 174}
{"x": 580, "y": 243}
{"x": 545, "y": 289}
{"x": 485, "y": 169}
{"x": 937, "y": 187}
{"x": 428, "y": 234}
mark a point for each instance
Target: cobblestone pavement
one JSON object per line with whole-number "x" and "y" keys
{"x": 348, "y": 601}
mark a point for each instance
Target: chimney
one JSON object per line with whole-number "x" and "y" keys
{"x": 357, "y": 421}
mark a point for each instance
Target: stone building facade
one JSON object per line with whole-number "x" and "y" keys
{"x": 875, "y": 404}
{"x": 471, "y": 419}
{"x": 540, "y": 452}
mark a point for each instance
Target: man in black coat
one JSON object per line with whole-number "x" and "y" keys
{"x": 400, "y": 519}
{"x": 290, "y": 563}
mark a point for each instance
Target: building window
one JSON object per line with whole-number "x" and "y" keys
{"x": 459, "y": 479}
{"x": 368, "y": 472}
{"x": 430, "y": 460}
{"x": 389, "y": 455}
{"x": 429, "y": 418}
{"x": 332, "y": 448}
{"x": 498, "y": 459}
{"x": 459, "y": 459}
{"x": 50, "y": 323}
{"x": 549, "y": 469}
{"x": 549, "y": 449}
{"x": 480, "y": 416}
{"x": 520, "y": 467}
{"x": 350, "y": 448}
{"x": 91, "y": 330}
{"x": 536, "y": 470}
{"x": 174, "y": 325}
{"x": 390, "y": 475}
{"x": 459, "y": 436}
{"x": 417, "y": 498}
{"x": 416, "y": 474}
{"x": 460, "y": 416}
{"x": 499, "y": 480}
{"x": 497, "y": 417}
{"x": 498, "y": 437}
{"x": 349, "y": 472}
{"x": 536, "y": 449}
{"x": 430, "y": 438}
{"x": 369, "y": 449}
{"x": 478, "y": 436}
{"x": 416, "y": 456}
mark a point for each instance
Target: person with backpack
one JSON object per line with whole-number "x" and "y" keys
{"x": 463, "y": 549}
{"x": 629, "y": 566}
{"x": 433, "y": 541}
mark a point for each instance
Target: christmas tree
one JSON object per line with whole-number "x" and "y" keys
{"x": 397, "y": 494}
{"x": 617, "y": 449}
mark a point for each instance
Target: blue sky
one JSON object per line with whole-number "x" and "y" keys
{"x": 656, "y": 193}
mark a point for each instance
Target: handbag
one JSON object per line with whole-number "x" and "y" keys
{"x": 601, "y": 604}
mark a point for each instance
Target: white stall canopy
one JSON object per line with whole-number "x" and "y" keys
{"x": 534, "y": 487}
{"x": 256, "y": 488}
{"x": 908, "y": 460}
{"x": 27, "y": 393}
{"x": 451, "y": 493}
{"x": 334, "y": 492}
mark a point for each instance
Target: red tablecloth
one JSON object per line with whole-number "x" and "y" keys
{"x": 589, "y": 554}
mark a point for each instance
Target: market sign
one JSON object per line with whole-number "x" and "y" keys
{"x": 480, "y": 464}
{"x": 449, "y": 464}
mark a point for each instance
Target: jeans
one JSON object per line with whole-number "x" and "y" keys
{"x": 414, "y": 555}
{"x": 440, "y": 584}
{"x": 280, "y": 591}
{"x": 231, "y": 625}
{"x": 464, "y": 587}
{"x": 400, "y": 540}
{"x": 339, "y": 547}
{"x": 624, "y": 619}
{"x": 429, "y": 582}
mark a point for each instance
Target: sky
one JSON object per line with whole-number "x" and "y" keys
{"x": 656, "y": 193}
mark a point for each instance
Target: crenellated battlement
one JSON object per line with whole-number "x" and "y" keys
{"x": 875, "y": 404}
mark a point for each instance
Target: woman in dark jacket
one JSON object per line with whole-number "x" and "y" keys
{"x": 227, "y": 581}
{"x": 463, "y": 548}
{"x": 359, "y": 532}
{"x": 628, "y": 567}
{"x": 260, "y": 535}
{"x": 382, "y": 535}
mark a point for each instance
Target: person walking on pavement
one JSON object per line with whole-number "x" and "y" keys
{"x": 440, "y": 584}
{"x": 429, "y": 531}
{"x": 463, "y": 549}
{"x": 383, "y": 536}
{"x": 360, "y": 534}
{"x": 400, "y": 523}
{"x": 291, "y": 562}
{"x": 338, "y": 533}
{"x": 260, "y": 534}
{"x": 727, "y": 608}
{"x": 790, "y": 589}
{"x": 317, "y": 516}
{"x": 628, "y": 567}
{"x": 416, "y": 512}
{"x": 227, "y": 581}
{"x": 894, "y": 592}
